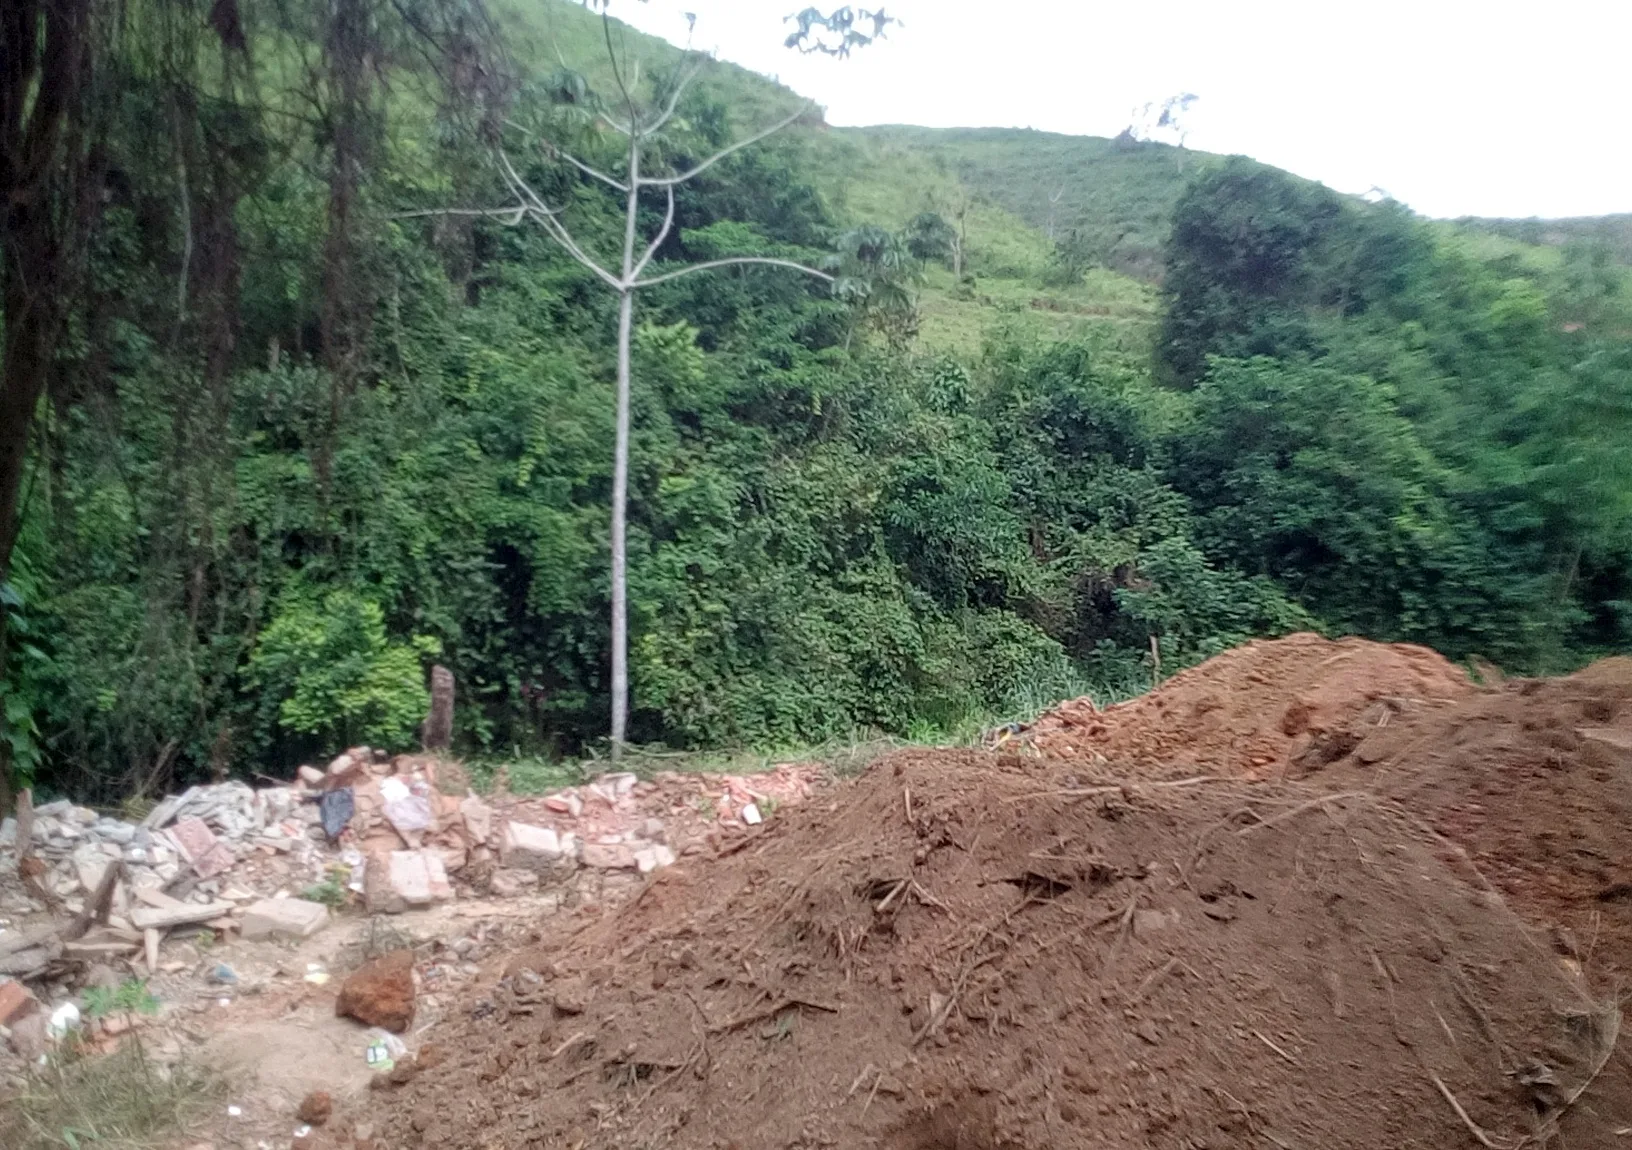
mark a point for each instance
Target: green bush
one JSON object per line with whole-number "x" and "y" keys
{"x": 335, "y": 674}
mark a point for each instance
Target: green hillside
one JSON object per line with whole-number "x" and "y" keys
{"x": 1068, "y": 403}
{"x": 1117, "y": 195}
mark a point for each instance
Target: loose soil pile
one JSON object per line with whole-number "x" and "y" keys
{"x": 1254, "y": 710}
{"x": 956, "y": 953}
{"x": 1534, "y": 781}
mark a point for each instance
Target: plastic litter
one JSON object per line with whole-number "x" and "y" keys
{"x": 751, "y": 815}
{"x": 407, "y": 806}
{"x": 235, "y": 1112}
{"x": 356, "y": 867}
{"x": 316, "y": 974}
{"x": 334, "y": 810}
{"x": 224, "y": 975}
{"x": 383, "y": 1050}
{"x": 63, "y": 1019}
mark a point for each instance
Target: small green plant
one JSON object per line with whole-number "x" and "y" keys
{"x": 331, "y": 892}
{"x": 131, "y": 995}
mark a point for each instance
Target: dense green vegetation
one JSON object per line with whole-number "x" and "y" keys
{"x": 293, "y": 453}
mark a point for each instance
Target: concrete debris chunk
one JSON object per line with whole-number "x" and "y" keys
{"x": 478, "y": 818}
{"x": 527, "y": 847}
{"x": 283, "y": 918}
{"x": 192, "y": 838}
{"x": 145, "y": 918}
{"x": 405, "y": 879}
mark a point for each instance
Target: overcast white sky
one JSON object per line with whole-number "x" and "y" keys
{"x": 1495, "y": 108}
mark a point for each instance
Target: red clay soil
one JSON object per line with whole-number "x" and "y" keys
{"x": 1252, "y": 710}
{"x": 1534, "y": 781}
{"x": 952, "y": 952}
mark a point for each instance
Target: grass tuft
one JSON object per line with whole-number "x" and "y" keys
{"x": 117, "y": 1101}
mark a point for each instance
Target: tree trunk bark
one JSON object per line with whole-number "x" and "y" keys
{"x": 21, "y": 385}
{"x": 620, "y": 555}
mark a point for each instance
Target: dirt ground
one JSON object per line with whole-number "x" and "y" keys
{"x": 1253, "y": 709}
{"x": 1308, "y": 894}
{"x": 958, "y": 951}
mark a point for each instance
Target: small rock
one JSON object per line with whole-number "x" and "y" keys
{"x": 84, "y": 816}
{"x": 650, "y": 858}
{"x": 315, "y": 1108}
{"x": 311, "y": 776}
{"x": 381, "y": 993}
{"x": 100, "y": 974}
{"x": 340, "y": 765}
{"x": 510, "y": 883}
{"x": 15, "y": 1001}
{"x": 609, "y": 856}
{"x": 1150, "y": 921}
{"x": 283, "y": 918}
{"x": 1147, "y": 1031}
{"x": 566, "y": 803}
{"x": 29, "y": 1038}
{"x": 571, "y": 996}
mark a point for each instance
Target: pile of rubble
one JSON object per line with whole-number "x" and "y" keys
{"x": 270, "y": 862}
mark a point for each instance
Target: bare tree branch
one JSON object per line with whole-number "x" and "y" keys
{"x": 556, "y": 150}
{"x": 589, "y": 171}
{"x": 662, "y": 234}
{"x": 614, "y": 125}
{"x": 547, "y": 216}
{"x": 617, "y": 73}
{"x": 674, "y": 100}
{"x": 511, "y": 216}
{"x": 724, "y": 152}
{"x": 706, "y": 264}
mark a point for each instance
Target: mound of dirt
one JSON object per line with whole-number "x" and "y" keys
{"x": 1534, "y": 782}
{"x": 1255, "y": 709}
{"x": 952, "y": 952}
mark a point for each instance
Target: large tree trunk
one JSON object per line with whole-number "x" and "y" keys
{"x": 620, "y": 551}
{"x": 27, "y": 329}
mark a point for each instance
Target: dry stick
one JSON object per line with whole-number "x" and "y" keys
{"x": 935, "y": 1020}
{"x": 1294, "y": 812}
{"x": 872, "y": 1094}
{"x": 1265, "y": 1040}
{"x": 1124, "y": 928}
{"x": 1614, "y": 1017}
{"x": 1090, "y": 792}
{"x": 860, "y": 1078}
{"x": 97, "y": 906}
{"x": 1150, "y": 982}
{"x": 884, "y": 903}
{"x": 906, "y": 800}
{"x": 1473, "y": 1127}
{"x": 928, "y": 899}
{"x": 562, "y": 1049}
{"x": 771, "y": 1012}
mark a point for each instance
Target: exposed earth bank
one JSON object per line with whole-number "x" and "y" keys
{"x": 1308, "y": 894}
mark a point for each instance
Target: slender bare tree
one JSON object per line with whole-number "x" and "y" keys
{"x": 639, "y": 126}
